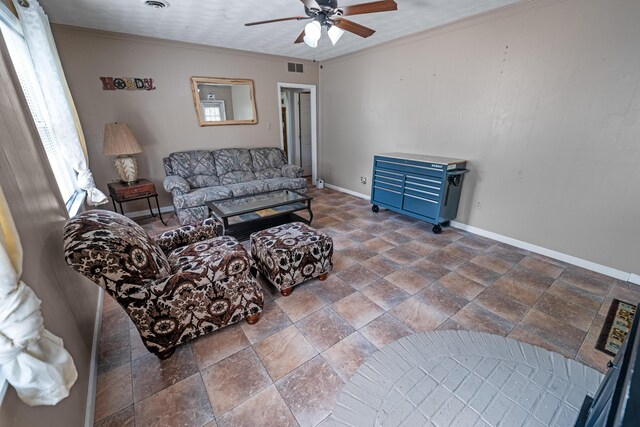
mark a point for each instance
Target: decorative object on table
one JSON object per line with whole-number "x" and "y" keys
{"x": 69, "y": 137}
{"x": 291, "y": 254}
{"x": 326, "y": 13}
{"x": 422, "y": 187}
{"x": 616, "y": 326}
{"x": 221, "y": 101}
{"x": 197, "y": 177}
{"x": 141, "y": 189}
{"x": 120, "y": 142}
{"x": 32, "y": 359}
{"x": 175, "y": 287}
{"x": 128, "y": 83}
{"x": 464, "y": 378}
{"x": 239, "y": 216}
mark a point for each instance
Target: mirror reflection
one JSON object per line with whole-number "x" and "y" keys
{"x": 223, "y": 101}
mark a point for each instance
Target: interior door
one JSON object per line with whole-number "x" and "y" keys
{"x": 305, "y": 132}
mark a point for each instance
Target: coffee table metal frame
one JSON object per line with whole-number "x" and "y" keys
{"x": 270, "y": 203}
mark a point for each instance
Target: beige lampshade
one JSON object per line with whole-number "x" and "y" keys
{"x": 119, "y": 140}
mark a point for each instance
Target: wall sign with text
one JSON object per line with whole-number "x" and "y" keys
{"x": 128, "y": 83}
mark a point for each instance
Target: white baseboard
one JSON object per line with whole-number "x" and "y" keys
{"x": 138, "y": 214}
{"x": 570, "y": 259}
{"x": 93, "y": 367}
{"x": 351, "y": 192}
{"x": 589, "y": 265}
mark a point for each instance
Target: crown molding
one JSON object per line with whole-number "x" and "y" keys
{"x": 89, "y": 32}
{"x": 461, "y": 24}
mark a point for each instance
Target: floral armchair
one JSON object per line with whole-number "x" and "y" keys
{"x": 175, "y": 287}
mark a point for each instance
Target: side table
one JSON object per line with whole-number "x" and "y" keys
{"x": 141, "y": 189}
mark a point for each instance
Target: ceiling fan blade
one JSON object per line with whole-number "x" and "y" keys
{"x": 300, "y": 38}
{"x": 373, "y": 7}
{"x": 293, "y": 18}
{"x": 352, "y": 27}
{"x": 311, "y": 4}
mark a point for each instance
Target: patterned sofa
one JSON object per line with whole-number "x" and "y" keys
{"x": 175, "y": 287}
{"x": 197, "y": 177}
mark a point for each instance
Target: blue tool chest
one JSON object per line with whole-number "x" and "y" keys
{"x": 422, "y": 187}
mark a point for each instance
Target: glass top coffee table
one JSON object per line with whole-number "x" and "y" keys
{"x": 272, "y": 207}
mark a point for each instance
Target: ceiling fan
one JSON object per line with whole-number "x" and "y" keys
{"x": 326, "y": 13}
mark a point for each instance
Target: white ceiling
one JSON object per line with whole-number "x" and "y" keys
{"x": 221, "y": 22}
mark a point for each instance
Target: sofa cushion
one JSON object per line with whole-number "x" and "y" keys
{"x": 248, "y": 188}
{"x": 200, "y": 196}
{"x": 274, "y": 184}
{"x": 223, "y": 256}
{"x": 195, "y": 162}
{"x": 202, "y": 181}
{"x": 268, "y": 162}
{"x": 233, "y": 165}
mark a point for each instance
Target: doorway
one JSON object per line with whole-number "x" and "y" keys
{"x": 298, "y": 126}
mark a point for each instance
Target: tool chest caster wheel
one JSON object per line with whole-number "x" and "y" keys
{"x": 437, "y": 229}
{"x": 375, "y": 208}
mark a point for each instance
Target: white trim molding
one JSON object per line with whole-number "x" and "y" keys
{"x": 570, "y": 259}
{"x": 314, "y": 122}
{"x": 345, "y": 190}
{"x": 93, "y": 367}
{"x": 138, "y": 214}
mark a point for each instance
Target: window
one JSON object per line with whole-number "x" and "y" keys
{"x": 213, "y": 111}
{"x": 64, "y": 174}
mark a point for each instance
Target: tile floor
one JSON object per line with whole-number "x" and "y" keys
{"x": 392, "y": 277}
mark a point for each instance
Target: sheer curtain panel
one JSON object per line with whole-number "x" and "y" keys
{"x": 32, "y": 359}
{"x": 68, "y": 133}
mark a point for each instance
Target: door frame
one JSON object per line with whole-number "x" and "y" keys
{"x": 314, "y": 123}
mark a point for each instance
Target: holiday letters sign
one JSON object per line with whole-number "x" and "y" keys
{"x": 128, "y": 83}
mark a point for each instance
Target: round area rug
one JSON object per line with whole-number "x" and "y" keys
{"x": 464, "y": 378}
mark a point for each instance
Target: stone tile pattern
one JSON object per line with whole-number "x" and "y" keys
{"x": 464, "y": 378}
{"x": 392, "y": 277}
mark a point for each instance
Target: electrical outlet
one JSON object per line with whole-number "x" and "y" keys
{"x": 363, "y": 179}
{"x": 479, "y": 204}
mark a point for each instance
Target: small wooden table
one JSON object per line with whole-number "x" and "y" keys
{"x": 141, "y": 189}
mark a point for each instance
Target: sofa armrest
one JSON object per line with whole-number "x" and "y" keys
{"x": 176, "y": 183}
{"x": 292, "y": 171}
{"x": 182, "y": 236}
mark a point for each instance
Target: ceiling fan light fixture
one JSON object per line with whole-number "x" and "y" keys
{"x": 313, "y": 30}
{"x": 312, "y": 33}
{"x": 334, "y": 34}
{"x": 310, "y": 42}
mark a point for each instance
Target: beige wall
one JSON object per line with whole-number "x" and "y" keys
{"x": 68, "y": 300}
{"x": 164, "y": 120}
{"x": 543, "y": 99}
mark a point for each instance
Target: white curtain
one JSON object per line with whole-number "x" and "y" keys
{"x": 66, "y": 126}
{"x": 32, "y": 359}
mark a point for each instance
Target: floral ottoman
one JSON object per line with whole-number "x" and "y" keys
{"x": 290, "y": 254}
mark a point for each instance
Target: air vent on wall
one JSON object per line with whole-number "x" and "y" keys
{"x": 292, "y": 67}
{"x": 157, "y": 4}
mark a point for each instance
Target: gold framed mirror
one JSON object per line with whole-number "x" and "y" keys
{"x": 220, "y": 101}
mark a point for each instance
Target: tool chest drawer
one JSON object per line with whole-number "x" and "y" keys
{"x": 423, "y": 187}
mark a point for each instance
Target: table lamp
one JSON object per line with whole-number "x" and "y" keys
{"x": 120, "y": 142}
